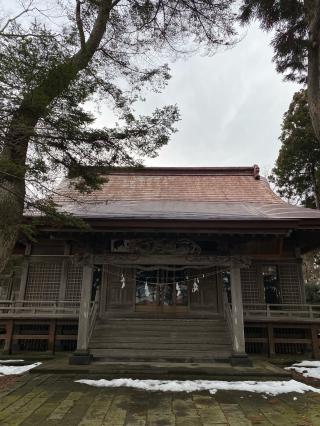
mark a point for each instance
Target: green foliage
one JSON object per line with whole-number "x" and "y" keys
{"x": 297, "y": 170}
{"x": 49, "y": 73}
{"x": 297, "y": 175}
{"x": 290, "y": 39}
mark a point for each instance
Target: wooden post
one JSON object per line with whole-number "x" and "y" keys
{"x": 8, "y": 341}
{"x": 315, "y": 342}
{"x": 64, "y": 273}
{"x": 239, "y": 352}
{"x": 23, "y": 281}
{"x": 52, "y": 336}
{"x": 82, "y": 356}
{"x": 24, "y": 273}
{"x": 271, "y": 346}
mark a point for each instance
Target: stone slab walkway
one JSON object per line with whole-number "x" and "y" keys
{"x": 55, "y": 399}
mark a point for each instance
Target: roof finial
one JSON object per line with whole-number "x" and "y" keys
{"x": 256, "y": 172}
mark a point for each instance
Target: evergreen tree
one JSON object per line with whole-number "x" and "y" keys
{"x": 52, "y": 62}
{"x": 297, "y": 176}
{"x": 297, "y": 170}
{"x": 296, "y": 42}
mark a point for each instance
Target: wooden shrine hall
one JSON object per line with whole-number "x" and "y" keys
{"x": 175, "y": 264}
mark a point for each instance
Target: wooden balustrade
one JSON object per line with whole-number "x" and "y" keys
{"x": 287, "y": 312}
{"x": 39, "y": 309}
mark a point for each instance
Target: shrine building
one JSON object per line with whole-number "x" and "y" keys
{"x": 173, "y": 265}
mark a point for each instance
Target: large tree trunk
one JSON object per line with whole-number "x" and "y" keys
{"x": 32, "y": 108}
{"x": 313, "y": 19}
{"x": 12, "y": 188}
{"x": 12, "y": 178}
{"x": 315, "y": 187}
{"x": 11, "y": 209}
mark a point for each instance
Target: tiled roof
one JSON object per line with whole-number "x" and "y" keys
{"x": 214, "y": 194}
{"x": 186, "y": 210}
{"x": 213, "y": 185}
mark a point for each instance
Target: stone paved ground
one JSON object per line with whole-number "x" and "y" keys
{"x": 57, "y": 400}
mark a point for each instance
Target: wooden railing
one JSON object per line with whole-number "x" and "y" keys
{"x": 93, "y": 313}
{"x": 39, "y": 308}
{"x": 288, "y": 312}
{"x": 227, "y": 312}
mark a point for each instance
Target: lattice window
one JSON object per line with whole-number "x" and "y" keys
{"x": 290, "y": 283}
{"x": 250, "y": 286}
{"x": 43, "y": 281}
{"x": 74, "y": 280}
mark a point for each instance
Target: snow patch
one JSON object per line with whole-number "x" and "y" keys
{"x": 10, "y": 361}
{"x": 6, "y": 370}
{"x": 267, "y": 387}
{"x": 307, "y": 368}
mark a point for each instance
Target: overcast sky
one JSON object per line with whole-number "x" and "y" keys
{"x": 231, "y": 106}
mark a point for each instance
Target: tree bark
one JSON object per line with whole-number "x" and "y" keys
{"x": 315, "y": 188}
{"x": 12, "y": 180}
{"x": 313, "y": 19}
{"x": 32, "y": 109}
{"x": 11, "y": 209}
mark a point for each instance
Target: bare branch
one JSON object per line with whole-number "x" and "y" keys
{"x": 23, "y": 12}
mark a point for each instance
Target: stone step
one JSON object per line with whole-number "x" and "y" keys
{"x": 182, "y": 321}
{"x": 160, "y": 355}
{"x": 156, "y": 335}
{"x": 161, "y": 345}
{"x": 156, "y": 332}
{"x": 129, "y": 321}
{"x": 220, "y": 327}
{"x": 155, "y": 339}
{"x": 161, "y": 323}
{"x": 181, "y": 340}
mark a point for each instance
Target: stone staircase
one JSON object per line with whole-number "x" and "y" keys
{"x": 161, "y": 340}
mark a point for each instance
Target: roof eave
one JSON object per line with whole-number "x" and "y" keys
{"x": 262, "y": 225}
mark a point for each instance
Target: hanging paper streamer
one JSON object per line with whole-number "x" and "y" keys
{"x": 122, "y": 280}
{"x": 178, "y": 289}
{"x": 195, "y": 287}
{"x": 146, "y": 289}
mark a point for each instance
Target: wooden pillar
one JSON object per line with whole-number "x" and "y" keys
{"x": 239, "y": 355}
{"x": 315, "y": 342}
{"x": 64, "y": 273}
{"x": 24, "y": 273}
{"x": 82, "y": 356}
{"x": 23, "y": 281}
{"x": 8, "y": 339}
{"x": 271, "y": 345}
{"x": 52, "y": 336}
